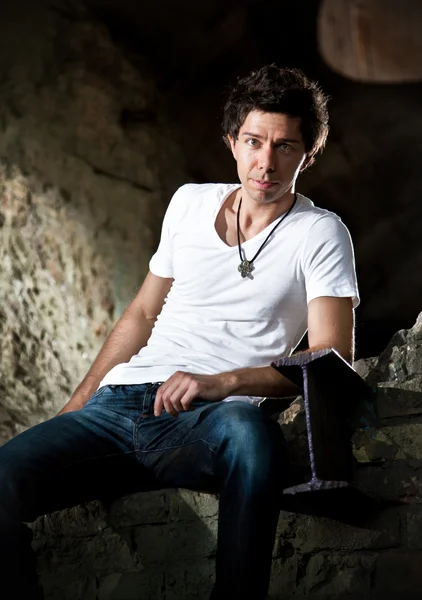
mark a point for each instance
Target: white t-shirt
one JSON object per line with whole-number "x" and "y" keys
{"x": 213, "y": 319}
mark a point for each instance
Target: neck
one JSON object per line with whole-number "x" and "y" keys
{"x": 259, "y": 214}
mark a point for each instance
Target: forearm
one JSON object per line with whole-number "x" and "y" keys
{"x": 259, "y": 381}
{"x": 130, "y": 334}
{"x": 267, "y": 381}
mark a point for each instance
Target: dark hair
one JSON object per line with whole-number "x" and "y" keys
{"x": 276, "y": 90}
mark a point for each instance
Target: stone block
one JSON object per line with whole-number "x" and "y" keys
{"x": 141, "y": 509}
{"x": 389, "y": 522}
{"x": 394, "y": 369}
{"x": 397, "y": 402}
{"x": 162, "y": 506}
{"x": 192, "y": 581}
{"x": 413, "y": 359}
{"x": 67, "y": 584}
{"x": 286, "y": 524}
{"x": 370, "y": 444}
{"x": 391, "y": 442}
{"x": 398, "y": 575}
{"x": 334, "y": 576}
{"x": 313, "y": 534}
{"x": 103, "y": 553}
{"x": 293, "y": 425}
{"x": 189, "y": 506}
{"x": 408, "y": 438}
{"x": 415, "y": 333}
{"x": 175, "y": 543}
{"x": 412, "y": 527}
{"x": 78, "y": 521}
{"x": 284, "y": 573}
{"x": 147, "y": 585}
{"x": 398, "y": 482}
{"x": 365, "y": 367}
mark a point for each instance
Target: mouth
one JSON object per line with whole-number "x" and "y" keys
{"x": 263, "y": 185}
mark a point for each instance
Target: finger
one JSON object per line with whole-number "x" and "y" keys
{"x": 169, "y": 408}
{"x": 158, "y": 403}
{"x": 186, "y": 391}
{"x": 162, "y": 393}
{"x": 175, "y": 394}
{"x": 171, "y": 398}
{"x": 187, "y": 399}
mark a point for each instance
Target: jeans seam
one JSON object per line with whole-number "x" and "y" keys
{"x": 136, "y": 433}
{"x": 210, "y": 448}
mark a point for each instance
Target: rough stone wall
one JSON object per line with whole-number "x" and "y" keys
{"x": 161, "y": 545}
{"x": 87, "y": 165}
{"x": 156, "y": 545}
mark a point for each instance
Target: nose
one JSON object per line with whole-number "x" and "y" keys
{"x": 266, "y": 161}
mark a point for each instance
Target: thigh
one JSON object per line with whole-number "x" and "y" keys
{"x": 70, "y": 459}
{"x": 196, "y": 449}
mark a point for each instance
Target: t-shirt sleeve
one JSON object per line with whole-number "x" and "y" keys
{"x": 161, "y": 263}
{"x": 328, "y": 261}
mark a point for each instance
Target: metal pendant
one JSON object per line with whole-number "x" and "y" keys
{"x": 245, "y": 268}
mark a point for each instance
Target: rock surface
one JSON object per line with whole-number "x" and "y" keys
{"x": 83, "y": 186}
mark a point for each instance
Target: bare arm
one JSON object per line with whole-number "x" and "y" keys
{"x": 129, "y": 335}
{"x": 330, "y": 325}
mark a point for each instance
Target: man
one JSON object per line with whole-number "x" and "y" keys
{"x": 242, "y": 270}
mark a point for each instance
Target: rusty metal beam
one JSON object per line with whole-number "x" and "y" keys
{"x": 332, "y": 391}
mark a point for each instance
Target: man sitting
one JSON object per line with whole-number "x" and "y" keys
{"x": 241, "y": 272}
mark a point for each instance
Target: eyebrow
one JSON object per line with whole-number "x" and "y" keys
{"x": 260, "y": 137}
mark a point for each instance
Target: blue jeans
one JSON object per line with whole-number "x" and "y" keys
{"x": 115, "y": 446}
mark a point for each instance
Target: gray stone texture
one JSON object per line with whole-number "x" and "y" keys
{"x": 84, "y": 183}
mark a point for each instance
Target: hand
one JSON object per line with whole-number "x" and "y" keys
{"x": 177, "y": 393}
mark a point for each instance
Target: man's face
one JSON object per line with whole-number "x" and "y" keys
{"x": 270, "y": 154}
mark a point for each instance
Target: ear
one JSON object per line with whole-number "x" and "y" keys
{"x": 232, "y": 143}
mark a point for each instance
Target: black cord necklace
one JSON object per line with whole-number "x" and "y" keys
{"x": 245, "y": 267}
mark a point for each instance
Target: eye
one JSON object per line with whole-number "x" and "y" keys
{"x": 284, "y": 147}
{"x": 252, "y": 142}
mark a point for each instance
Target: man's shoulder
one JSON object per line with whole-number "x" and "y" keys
{"x": 319, "y": 226}
{"x": 310, "y": 214}
{"x": 201, "y": 190}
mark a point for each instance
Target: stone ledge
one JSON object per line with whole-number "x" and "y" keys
{"x": 161, "y": 546}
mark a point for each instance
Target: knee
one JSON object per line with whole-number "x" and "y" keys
{"x": 252, "y": 440}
